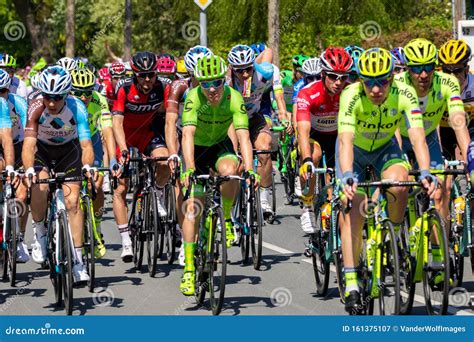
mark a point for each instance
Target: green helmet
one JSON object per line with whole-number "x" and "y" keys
{"x": 210, "y": 68}
{"x": 286, "y": 77}
{"x": 298, "y": 61}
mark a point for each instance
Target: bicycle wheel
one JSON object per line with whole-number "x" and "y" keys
{"x": 89, "y": 241}
{"x": 243, "y": 215}
{"x": 217, "y": 262}
{"x": 135, "y": 223}
{"x": 270, "y": 218}
{"x": 436, "y": 295}
{"x": 407, "y": 270}
{"x": 389, "y": 287}
{"x": 54, "y": 272}
{"x": 65, "y": 261}
{"x": 365, "y": 276}
{"x": 11, "y": 241}
{"x": 320, "y": 264}
{"x": 171, "y": 222}
{"x": 256, "y": 234}
{"x": 152, "y": 228}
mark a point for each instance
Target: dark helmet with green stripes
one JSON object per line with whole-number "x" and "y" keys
{"x": 298, "y": 61}
{"x": 210, "y": 68}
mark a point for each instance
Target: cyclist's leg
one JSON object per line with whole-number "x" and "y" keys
{"x": 98, "y": 162}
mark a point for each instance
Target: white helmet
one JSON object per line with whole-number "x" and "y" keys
{"x": 193, "y": 55}
{"x": 67, "y": 63}
{"x": 5, "y": 79}
{"x": 311, "y": 67}
{"x": 241, "y": 55}
{"x": 55, "y": 81}
{"x": 34, "y": 80}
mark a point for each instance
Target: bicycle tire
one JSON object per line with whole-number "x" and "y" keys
{"x": 434, "y": 220}
{"x": 171, "y": 222}
{"x": 271, "y": 217}
{"x": 152, "y": 224}
{"x": 407, "y": 270}
{"x": 256, "y": 232}
{"x": 202, "y": 277}
{"x": 89, "y": 241}
{"x": 218, "y": 256}
{"x": 11, "y": 241}
{"x": 320, "y": 264}
{"x": 389, "y": 271}
{"x": 66, "y": 261}
{"x": 54, "y": 275}
{"x": 244, "y": 226}
{"x": 367, "y": 301}
{"x": 135, "y": 223}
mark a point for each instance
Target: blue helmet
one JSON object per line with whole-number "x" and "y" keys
{"x": 355, "y": 52}
{"x": 55, "y": 80}
{"x": 398, "y": 56}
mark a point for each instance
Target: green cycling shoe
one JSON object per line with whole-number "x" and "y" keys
{"x": 229, "y": 233}
{"x": 187, "y": 286}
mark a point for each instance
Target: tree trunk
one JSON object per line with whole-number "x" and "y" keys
{"x": 274, "y": 29}
{"x": 127, "y": 46}
{"x": 39, "y": 32}
{"x": 70, "y": 29}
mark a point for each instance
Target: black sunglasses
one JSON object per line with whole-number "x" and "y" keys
{"x": 453, "y": 70}
{"x": 242, "y": 70}
{"x": 54, "y": 98}
{"x": 79, "y": 93}
{"x": 4, "y": 90}
{"x": 146, "y": 74}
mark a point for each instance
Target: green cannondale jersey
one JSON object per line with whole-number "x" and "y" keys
{"x": 374, "y": 126}
{"x": 212, "y": 122}
{"x": 445, "y": 95}
{"x": 99, "y": 113}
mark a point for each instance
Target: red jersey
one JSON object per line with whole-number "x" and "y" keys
{"x": 314, "y": 104}
{"x": 139, "y": 111}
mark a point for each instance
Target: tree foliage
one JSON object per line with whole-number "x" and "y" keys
{"x": 306, "y": 26}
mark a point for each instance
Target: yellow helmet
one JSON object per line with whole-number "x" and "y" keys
{"x": 375, "y": 62}
{"x": 420, "y": 51}
{"x": 82, "y": 79}
{"x": 454, "y": 51}
{"x": 180, "y": 68}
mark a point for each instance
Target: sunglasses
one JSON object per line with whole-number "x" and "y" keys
{"x": 54, "y": 98}
{"x": 453, "y": 70}
{"x": 380, "y": 82}
{"x": 353, "y": 77}
{"x": 242, "y": 70}
{"x": 418, "y": 69}
{"x": 212, "y": 84}
{"x": 399, "y": 69}
{"x": 85, "y": 93}
{"x": 337, "y": 77}
{"x": 4, "y": 90}
{"x": 146, "y": 74}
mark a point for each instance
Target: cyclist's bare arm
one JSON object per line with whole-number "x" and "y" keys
{"x": 7, "y": 145}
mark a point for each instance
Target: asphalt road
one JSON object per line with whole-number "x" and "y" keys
{"x": 284, "y": 286}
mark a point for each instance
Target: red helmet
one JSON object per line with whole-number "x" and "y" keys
{"x": 143, "y": 62}
{"x": 117, "y": 70}
{"x": 104, "y": 74}
{"x": 165, "y": 65}
{"x": 336, "y": 59}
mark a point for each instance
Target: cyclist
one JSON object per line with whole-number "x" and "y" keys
{"x": 354, "y": 51}
{"x": 437, "y": 92}
{"x": 311, "y": 72}
{"x": 454, "y": 57}
{"x": 399, "y": 60}
{"x": 17, "y": 86}
{"x": 175, "y": 96}
{"x": 117, "y": 73}
{"x": 181, "y": 71}
{"x": 57, "y": 135}
{"x": 297, "y": 62}
{"x": 253, "y": 77}
{"x": 100, "y": 126}
{"x": 138, "y": 121}
{"x": 210, "y": 109}
{"x": 369, "y": 114}
{"x": 166, "y": 68}
{"x": 316, "y": 116}
{"x": 13, "y": 119}
{"x": 67, "y": 63}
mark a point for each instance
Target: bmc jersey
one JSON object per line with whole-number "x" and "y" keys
{"x": 18, "y": 87}
{"x": 374, "y": 126}
{"x": 444, "y": 95}
{"x": 18, "y": 110}
{"x": 314, "y": 104}
{"x": 213, "y": 122}
{"x": 68, "y": 125}
{"x": 109, "y": 92}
